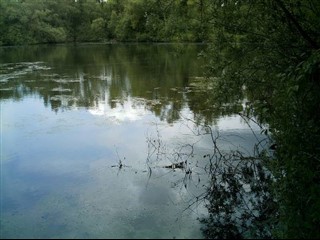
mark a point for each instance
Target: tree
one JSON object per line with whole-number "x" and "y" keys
{"x": 271, "y": 50}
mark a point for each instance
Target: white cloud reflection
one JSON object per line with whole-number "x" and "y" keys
{"x": 128, "y": 110}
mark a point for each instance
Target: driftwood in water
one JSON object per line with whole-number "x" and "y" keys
{"x": 176, "y": 165}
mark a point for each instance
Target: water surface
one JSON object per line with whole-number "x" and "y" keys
{"x": 86, "y": 133}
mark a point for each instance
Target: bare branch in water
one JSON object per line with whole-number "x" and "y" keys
{"x": 235, "y": 184}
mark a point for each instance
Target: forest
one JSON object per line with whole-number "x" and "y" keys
{"x": 266, "y": 51}
{"x": 31, "y": 22}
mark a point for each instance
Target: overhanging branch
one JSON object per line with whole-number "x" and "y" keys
{"x": 294, "y": 21}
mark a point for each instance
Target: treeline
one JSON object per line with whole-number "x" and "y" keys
{"x": 46, "y": 21}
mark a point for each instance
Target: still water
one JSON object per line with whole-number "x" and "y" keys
{"x": 90, "y": 135}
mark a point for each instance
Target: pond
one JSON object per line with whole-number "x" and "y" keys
{"x": 107, "y": 141}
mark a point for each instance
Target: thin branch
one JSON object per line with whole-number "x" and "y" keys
{"x": 291, "y": 18}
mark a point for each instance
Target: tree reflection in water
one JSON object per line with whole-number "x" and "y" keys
{"x": 140, "y": 79}
{"x": 238, "y": 197}
{"x": 235, "y": 183}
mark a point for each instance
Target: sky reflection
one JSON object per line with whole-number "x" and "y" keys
{"x": 67, "y": 120}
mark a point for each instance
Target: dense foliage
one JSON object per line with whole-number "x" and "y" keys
{"x": 268, "y": 51}
{"x": 46, "y": 21}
